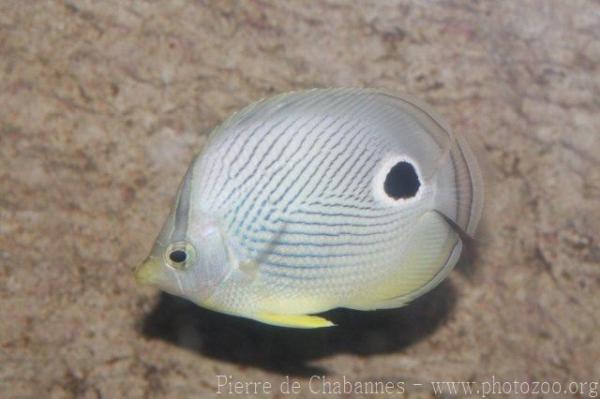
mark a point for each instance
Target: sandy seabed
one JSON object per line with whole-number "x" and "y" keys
{"x": 104, "y": 103}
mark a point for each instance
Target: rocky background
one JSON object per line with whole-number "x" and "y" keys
{"x": 104, "y": 103}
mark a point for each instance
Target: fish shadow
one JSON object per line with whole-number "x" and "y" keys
{"x": 470, "y": 260}
{"x": 289, "y": 351}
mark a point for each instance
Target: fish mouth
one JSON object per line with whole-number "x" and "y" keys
{"x": 148, "y": 271}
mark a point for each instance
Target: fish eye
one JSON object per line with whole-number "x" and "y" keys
{"x": 179, "y": 255}
{"x": 402, "y": 181}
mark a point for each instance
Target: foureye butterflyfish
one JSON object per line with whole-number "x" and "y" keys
{"x": 319, "y": 199}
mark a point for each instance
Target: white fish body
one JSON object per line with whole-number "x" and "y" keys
{"x": 319, "y": 199}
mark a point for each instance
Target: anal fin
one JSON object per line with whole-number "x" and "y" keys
{"x": 429, "y": 259}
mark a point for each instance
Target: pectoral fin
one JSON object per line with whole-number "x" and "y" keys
{"x": 294, "y": 320}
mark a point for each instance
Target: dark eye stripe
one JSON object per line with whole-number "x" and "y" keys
{"x": 183, "y": 209}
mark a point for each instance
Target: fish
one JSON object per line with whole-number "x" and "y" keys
{"x": 319, "y": 199}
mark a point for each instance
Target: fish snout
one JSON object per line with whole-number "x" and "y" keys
{"x": 148, "y": 271}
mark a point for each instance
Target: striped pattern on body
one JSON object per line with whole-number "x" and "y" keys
{"x": 291, "y": 178}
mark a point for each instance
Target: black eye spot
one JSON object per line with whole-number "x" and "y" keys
{"x": 402, "y": 181}
{"x": 178, "y": 256}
